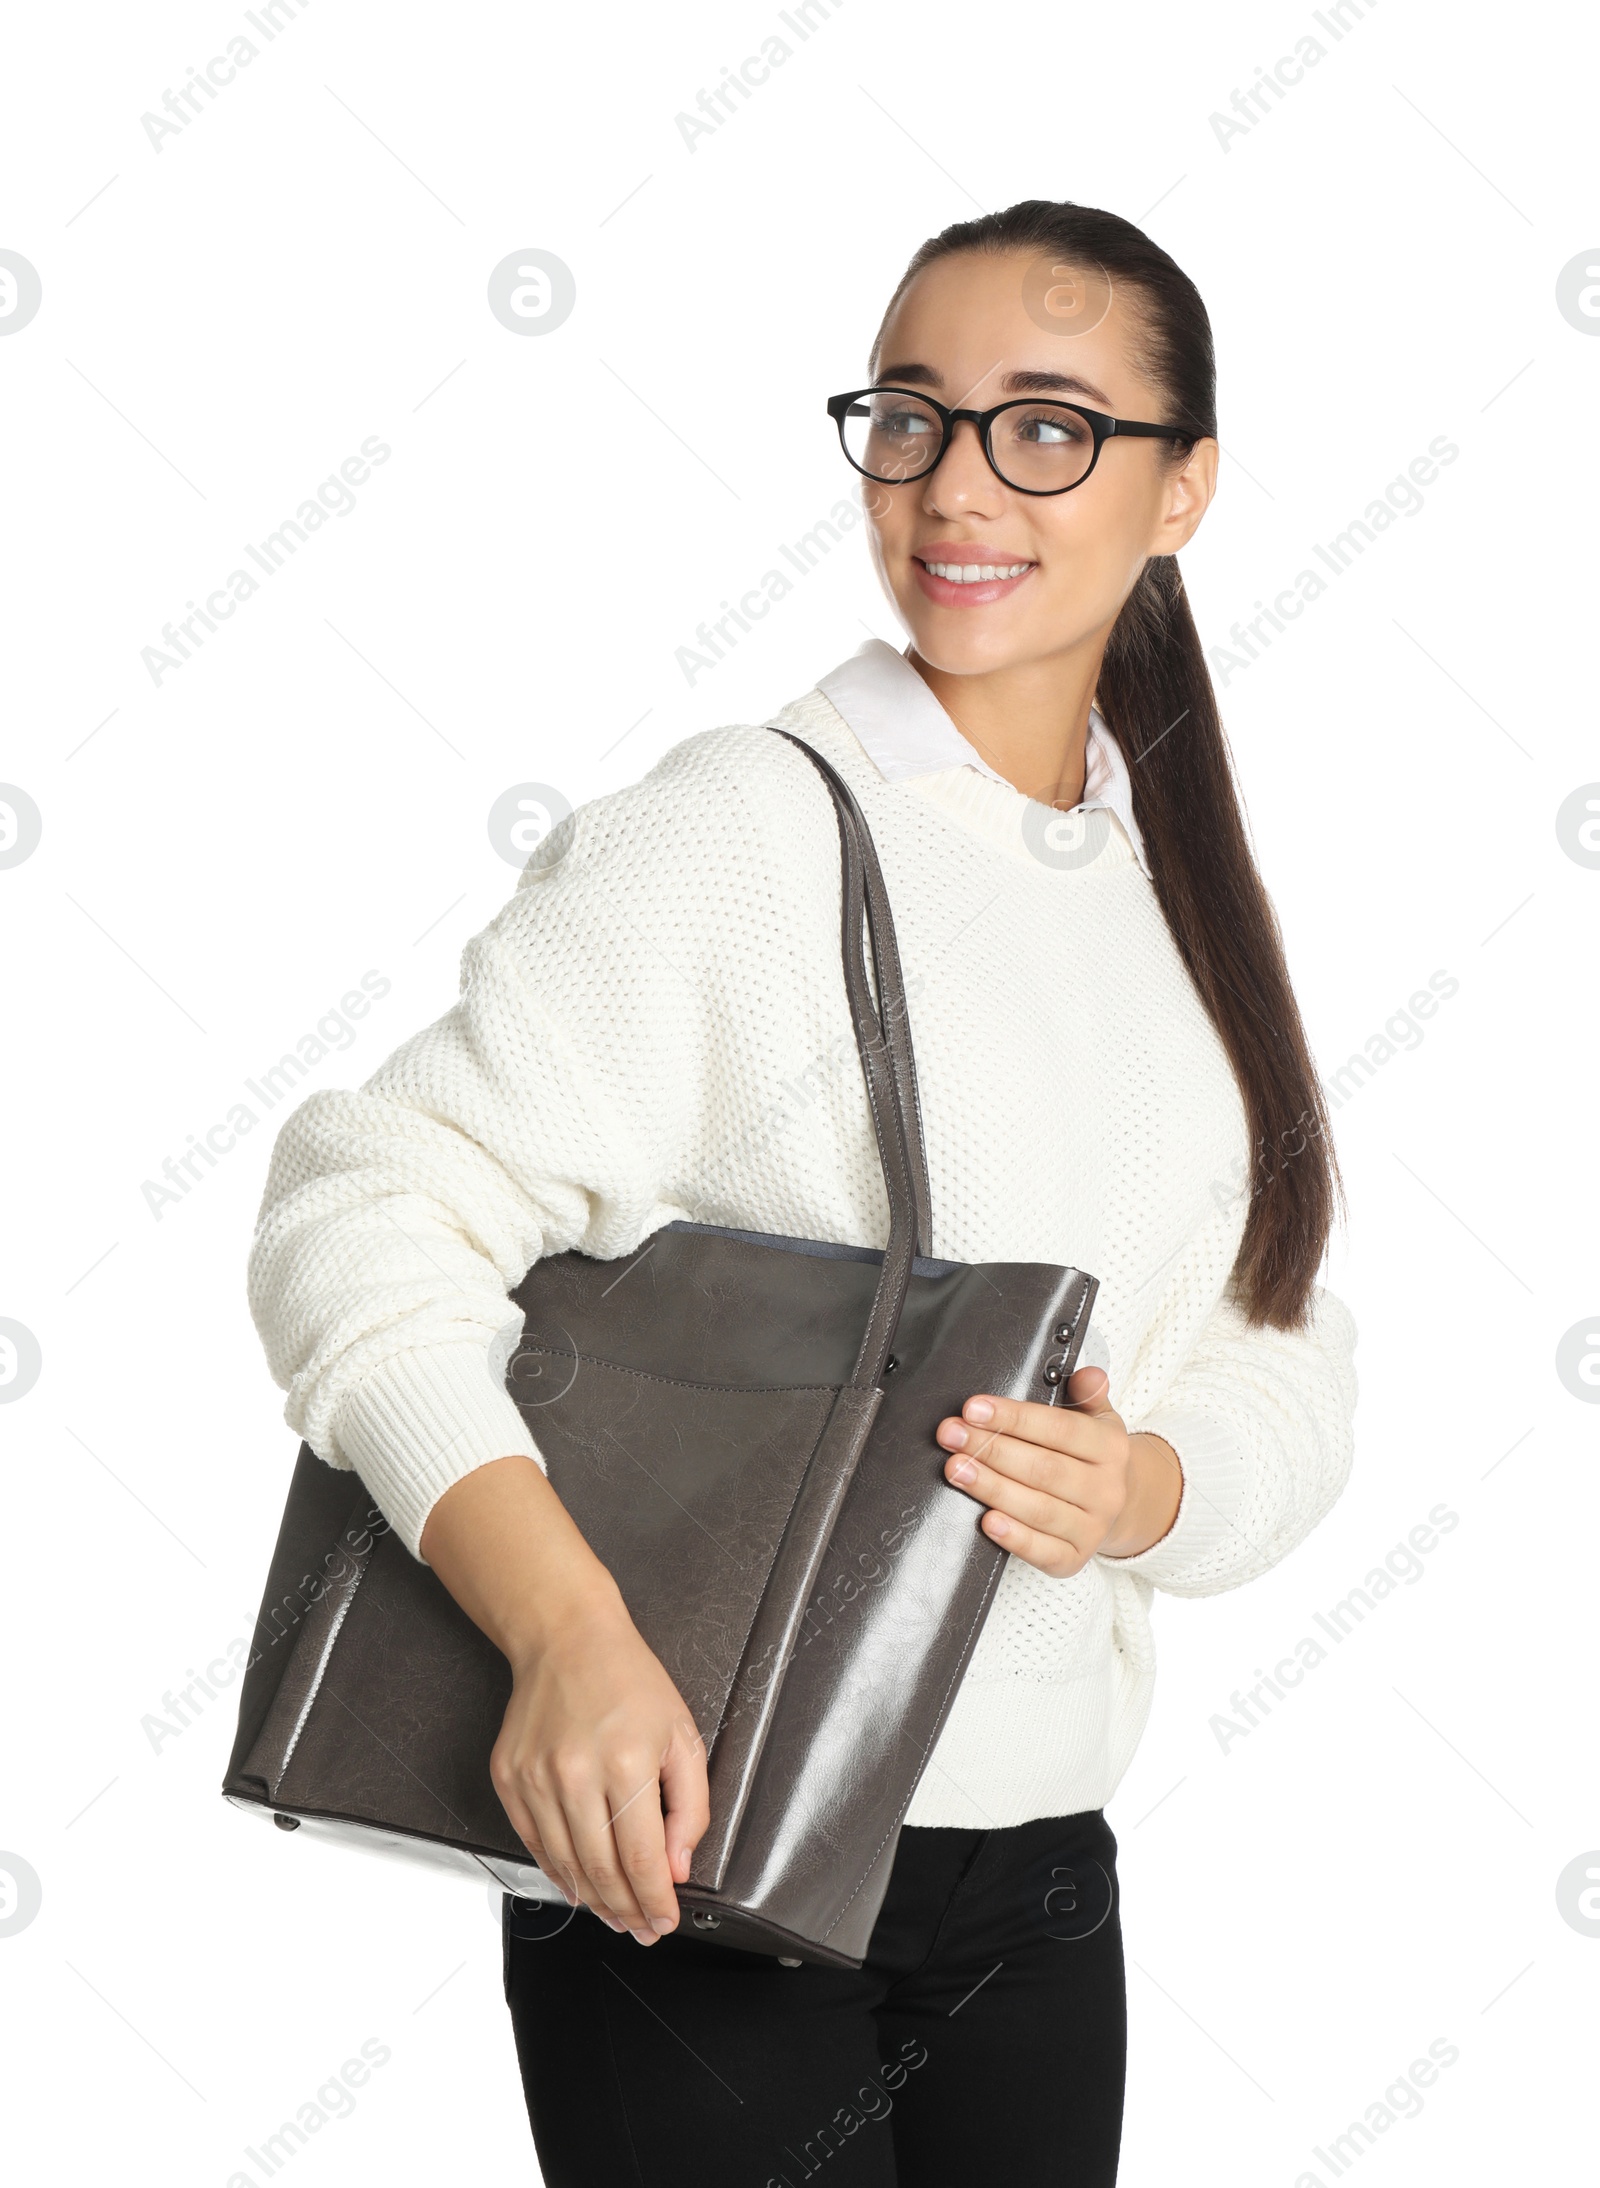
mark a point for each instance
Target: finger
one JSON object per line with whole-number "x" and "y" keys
{"x": 1089, "y": 1392}
{"x": 522, "y": 1821}
{"x": 687, "y": 1792}
{"x": 599, "y": 1857}
{"x": 1045, "y": 1510}
{"x": 535, "y": 1813}
{"x": 559, "y": 1859}
{"x": 539, "y": 1854}
{"x": 1050, "y": 1553}
{"x": 1055, "y": 1428}
{"x": 639, "y": 1829}
{"x": 1053, "y": 1473}
{"x": 544, "y": 1803}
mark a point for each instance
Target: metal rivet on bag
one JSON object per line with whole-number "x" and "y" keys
{"x": 889, "y": 1367}
{"x": 1052, "y": 1373}
{"x": 704, "y": 1921}
{"x": 287, "y": 1823}
{"x": 787, "y": 1963}
{"x": 1063, "y": 1333}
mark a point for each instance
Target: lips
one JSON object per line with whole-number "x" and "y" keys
{"x": 965, "y": 574}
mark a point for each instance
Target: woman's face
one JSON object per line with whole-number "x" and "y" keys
{"x": 963, "y": 332}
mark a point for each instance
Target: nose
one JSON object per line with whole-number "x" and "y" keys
{"x": 963, "y": 478}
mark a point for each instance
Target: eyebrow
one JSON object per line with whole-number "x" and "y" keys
{"x": 1012, "y": 383}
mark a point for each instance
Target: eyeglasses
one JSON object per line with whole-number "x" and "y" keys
{"x": 1038, "y": 447}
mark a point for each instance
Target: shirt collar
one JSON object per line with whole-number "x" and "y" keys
{"x": 905, "y": 732}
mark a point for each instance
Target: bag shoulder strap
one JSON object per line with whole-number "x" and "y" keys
{"x": 888, "y": 1063}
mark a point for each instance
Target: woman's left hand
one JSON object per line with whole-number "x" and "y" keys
{"x": 1063, "y": 1483}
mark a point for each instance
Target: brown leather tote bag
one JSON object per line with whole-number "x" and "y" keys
{"x": 742, "y": 1426}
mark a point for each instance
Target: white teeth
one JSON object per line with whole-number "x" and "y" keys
{"x": 975, "y": 573}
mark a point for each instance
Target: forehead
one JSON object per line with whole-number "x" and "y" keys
{"x": 974, "y": 327}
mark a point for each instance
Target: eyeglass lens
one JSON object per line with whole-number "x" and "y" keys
{"x": 1040, "y": 447}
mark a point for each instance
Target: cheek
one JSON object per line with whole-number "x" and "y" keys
{"x": 889, "y": 525}
{"x": 1088, "y": 570}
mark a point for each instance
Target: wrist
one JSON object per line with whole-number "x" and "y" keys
{"x": 511, "y": 1554}
{"x": 1155, "y": 1490}
{"x": 571, "y": 1608}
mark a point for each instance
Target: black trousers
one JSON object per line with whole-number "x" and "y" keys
{"x": 984, "y": 2040}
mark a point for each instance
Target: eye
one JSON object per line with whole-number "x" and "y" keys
{"x": 1049, "y": 428}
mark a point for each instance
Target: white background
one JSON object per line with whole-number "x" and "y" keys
{"x": 305, "y": 265}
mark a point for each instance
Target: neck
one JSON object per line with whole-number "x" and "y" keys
{"x": 1030, "y": 721}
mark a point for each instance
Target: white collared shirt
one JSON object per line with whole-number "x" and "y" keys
{"x": 905, "y": 732}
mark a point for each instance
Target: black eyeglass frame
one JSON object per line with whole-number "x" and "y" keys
{"x": 1100, "y": 423}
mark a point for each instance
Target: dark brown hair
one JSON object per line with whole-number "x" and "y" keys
{"x": 1156, "y": 695}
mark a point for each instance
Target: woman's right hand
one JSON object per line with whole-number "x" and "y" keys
{"x": 596, "y": 1736}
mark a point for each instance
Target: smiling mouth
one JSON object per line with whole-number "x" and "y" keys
{"x": 972, "y": 573}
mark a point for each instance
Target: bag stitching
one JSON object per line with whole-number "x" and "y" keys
{"x": 680, "y": 1382}
{"x": 319, "y": 1675}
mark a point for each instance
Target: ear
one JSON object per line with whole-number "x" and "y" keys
{"x": 1189, "y": 487}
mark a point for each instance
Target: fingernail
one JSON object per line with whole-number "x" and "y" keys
{"x": 996, "y": 1525}
{"x": 978, "y": 1410}
{"x": 643, "y": 1937}
{"x": 662, "y": 1925}
{"x": 962, "y": 1470}
{"x": 611, "y": 1922}
{"x": 952, "y": 1435}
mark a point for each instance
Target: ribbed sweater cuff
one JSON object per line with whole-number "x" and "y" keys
{"x": 415, "y": 1425}
{"x": 1215, "y": 1478}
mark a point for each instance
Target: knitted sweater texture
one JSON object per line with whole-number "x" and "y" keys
{"x": 655, "y": 1026}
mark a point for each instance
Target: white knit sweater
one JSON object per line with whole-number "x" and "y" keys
{"x": 655, "y": 1027}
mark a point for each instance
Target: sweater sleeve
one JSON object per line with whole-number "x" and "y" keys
{"x": 1262, "y": 1421}
{"x": 552, "y": 1107}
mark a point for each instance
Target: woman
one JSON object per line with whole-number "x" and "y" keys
{"x": 1113, "y": 1076}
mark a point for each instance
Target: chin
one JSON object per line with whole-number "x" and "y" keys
{"x": 967, "y": 651}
